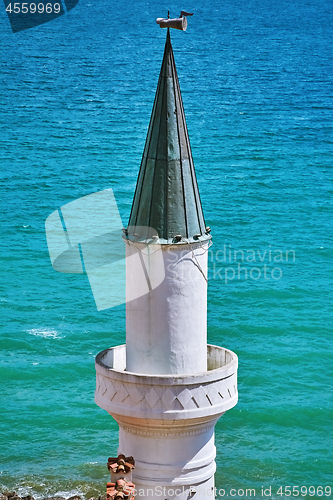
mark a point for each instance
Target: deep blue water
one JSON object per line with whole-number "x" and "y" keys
{"x": 76, "y": 96}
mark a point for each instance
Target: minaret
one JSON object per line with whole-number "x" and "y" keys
{"x": 166, "y": 388}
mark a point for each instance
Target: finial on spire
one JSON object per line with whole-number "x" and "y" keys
{"x": 179, "y": 23}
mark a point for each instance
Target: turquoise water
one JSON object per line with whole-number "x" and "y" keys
{"x": 77, "y": 93}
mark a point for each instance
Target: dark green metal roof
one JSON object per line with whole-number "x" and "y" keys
{"x": 167, "y": 197}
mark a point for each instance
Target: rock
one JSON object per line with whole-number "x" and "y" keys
{"x": 75, "y": 497}
{"x": 10, "y": 494}
{"x": 28, "y": 497}
{"x": 102, "y": 497}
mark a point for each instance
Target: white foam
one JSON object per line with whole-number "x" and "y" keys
{"x": 45, "y": 333}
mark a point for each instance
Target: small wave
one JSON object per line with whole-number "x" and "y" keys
{"x": 69, "y": 494}
{"x": 45, "y": 333}
{"x": 37, "y": 495}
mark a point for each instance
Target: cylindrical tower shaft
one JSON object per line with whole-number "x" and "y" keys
{"x": 166, "y": 329}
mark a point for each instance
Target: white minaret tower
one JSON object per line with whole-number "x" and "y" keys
{"x": 166, "y": 387}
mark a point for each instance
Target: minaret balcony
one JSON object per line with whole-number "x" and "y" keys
{"x": 166, "y": 397}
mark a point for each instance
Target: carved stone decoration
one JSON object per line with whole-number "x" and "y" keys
{"x": 167, "y": 397}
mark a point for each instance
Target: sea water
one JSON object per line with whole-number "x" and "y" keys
{"x": 77, "y": 93}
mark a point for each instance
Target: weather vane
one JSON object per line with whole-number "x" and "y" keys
{"x": 179, "y": 23}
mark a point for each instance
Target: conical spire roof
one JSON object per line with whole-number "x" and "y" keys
{"x": 167, "y": 196}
